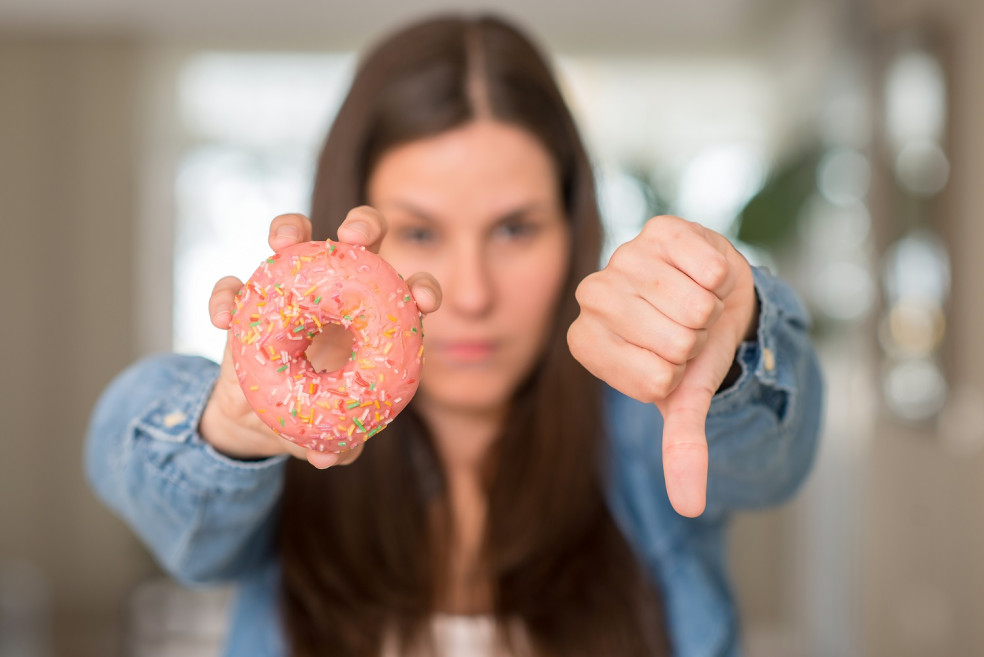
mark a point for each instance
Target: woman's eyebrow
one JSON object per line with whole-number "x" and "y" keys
{"x": 508, "y": 216}
{"x": 414, "y": 210}
{"x": 519, "y": 212}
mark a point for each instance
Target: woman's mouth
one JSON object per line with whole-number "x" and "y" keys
{"x": 465, "y": 351}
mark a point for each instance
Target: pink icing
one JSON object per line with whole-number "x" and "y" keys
{"x": 284, "y": 305}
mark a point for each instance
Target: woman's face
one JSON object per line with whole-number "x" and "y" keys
{"x": 479, "y": 207}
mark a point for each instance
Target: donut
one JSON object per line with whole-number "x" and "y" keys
{"x": 287, "y": 301}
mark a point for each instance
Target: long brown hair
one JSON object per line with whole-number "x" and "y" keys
{"x": 361, "y": 551}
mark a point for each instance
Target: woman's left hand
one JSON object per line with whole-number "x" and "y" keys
{"x": 661, "y": 323}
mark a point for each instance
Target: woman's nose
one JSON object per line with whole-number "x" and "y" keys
{"x": 468, "y": 288}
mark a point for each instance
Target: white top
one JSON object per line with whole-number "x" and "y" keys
{"x": 463, "y": 636}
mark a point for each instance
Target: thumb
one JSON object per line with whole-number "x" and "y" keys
{"x": 684, "y": 417}
{"x": 685, "y": 447}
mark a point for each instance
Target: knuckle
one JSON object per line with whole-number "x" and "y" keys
{"x": 715, "y": 270}
{"x": 665, "y": 226}
{"x": 683, "y": 345}
{"x": 700, "y": 309}
{"x": 656, "y": 223}
{"x": 655, "y": 386}
{"x": 658, "y": 385}
{"x": 575, "y": 338}
{"x": 621, "y": 256}
{"x": 581, "y": 293}
{"x": 588, "y": 291}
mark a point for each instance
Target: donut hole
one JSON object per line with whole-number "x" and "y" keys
{"x": 330, "y": 349}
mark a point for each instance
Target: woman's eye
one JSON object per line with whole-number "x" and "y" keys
{"x": 514, "y": 230}
{"x": 417, "y": 235}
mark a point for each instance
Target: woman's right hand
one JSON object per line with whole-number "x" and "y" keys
{"x": 228, "y": 422}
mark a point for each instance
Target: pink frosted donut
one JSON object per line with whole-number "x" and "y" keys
{"x": 280, "y": 309}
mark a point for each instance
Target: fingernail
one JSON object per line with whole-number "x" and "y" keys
{"x": 360, "y": 227}
{"x": 691, "y": 502}
{"x": 322, "y": 460}
{"x": 426, "y": 295}
{"x": 288, "y": 231}
{"x": 223, "y": 317}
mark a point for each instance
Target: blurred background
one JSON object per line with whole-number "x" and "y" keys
{"x": 144, "y": 147}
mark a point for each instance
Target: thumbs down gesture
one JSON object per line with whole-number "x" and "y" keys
{"x": 662, "y": 323}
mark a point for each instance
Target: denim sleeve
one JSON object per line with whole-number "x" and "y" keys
{"x": 204, "y": 516}
{"x": 762, "y": 431}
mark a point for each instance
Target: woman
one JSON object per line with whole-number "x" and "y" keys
{"x": 518, "y": 503}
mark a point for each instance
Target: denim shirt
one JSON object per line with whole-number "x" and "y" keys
{"x": 209, "y": 518}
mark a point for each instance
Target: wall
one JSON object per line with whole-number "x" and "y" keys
{"x": 924, "y": 576}
{"x": 67, "y": 173}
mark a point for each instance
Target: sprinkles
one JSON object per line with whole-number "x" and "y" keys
{"x": 283, "y": 307}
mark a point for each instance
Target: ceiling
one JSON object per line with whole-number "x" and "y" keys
{"x": 616, "y": 25}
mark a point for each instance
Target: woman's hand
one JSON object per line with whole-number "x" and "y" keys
{"x": 661, "y": 323}
{"x": 228, "y": 422}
